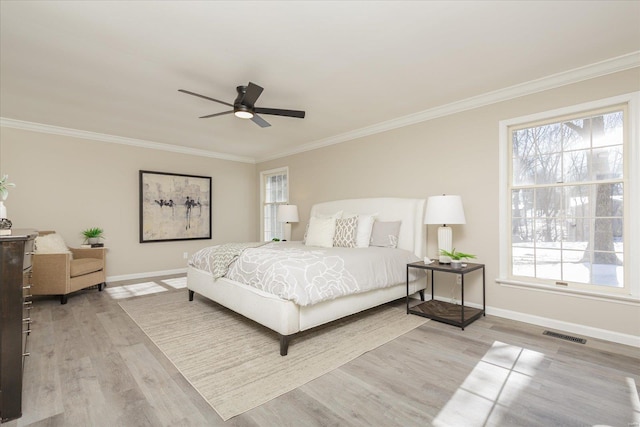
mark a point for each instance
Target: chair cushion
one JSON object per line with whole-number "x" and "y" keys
{"x": 82, "y": 266}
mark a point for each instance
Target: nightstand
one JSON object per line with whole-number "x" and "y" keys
{"x": 453, "y": 314}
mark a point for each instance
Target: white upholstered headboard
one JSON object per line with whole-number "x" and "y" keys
{"x": 409, "y": 211}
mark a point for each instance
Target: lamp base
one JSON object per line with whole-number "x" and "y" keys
{"x": 287, "y": 231}
{"x": 445, "y": 241}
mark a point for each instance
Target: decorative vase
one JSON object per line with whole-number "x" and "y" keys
{"x": 93, "y": 240}
{"x": 456, "y": 263}
{"x": 3, "y": 210}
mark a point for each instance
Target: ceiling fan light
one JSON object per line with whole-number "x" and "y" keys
{"x": 244, "y": 114}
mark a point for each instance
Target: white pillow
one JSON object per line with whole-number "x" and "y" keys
{"x": 336, "y": 215}
{"x": 51, "y": 244}
{"x": 320, "y": 232}
{"x": 365, "y": 225}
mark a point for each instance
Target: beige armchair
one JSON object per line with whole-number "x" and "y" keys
{"x": 63, "y": 273}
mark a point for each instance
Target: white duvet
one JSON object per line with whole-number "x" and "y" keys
{"x": 307, "y": 275}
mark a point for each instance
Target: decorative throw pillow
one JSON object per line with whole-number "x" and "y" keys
{"x": 320, "y": 232}
{"x": 385, "y": 234}
{"x": 345, "y": 236}
{"x": 51, "y": 244}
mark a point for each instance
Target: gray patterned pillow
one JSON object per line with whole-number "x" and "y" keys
{"x": 385, "y": 234}
{"x": 345, "y": 236}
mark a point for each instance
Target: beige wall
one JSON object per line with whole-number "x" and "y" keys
{"x": 69, "y": 184}
{"x": 457, "y": 154}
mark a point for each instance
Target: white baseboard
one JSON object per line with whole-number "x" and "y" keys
{"x": 135, "y": 276}
{"x": 559, "y": 325}
{"x": 574, "y": 328}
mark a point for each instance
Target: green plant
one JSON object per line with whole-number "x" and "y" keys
{"x": 93, "y": 233}
{"x": 456, "y": 255}
{"x": 4, "y": 187}
{"x": 275, "y": 239}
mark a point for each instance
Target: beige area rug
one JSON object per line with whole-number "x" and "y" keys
{"x": 235, "y": 363}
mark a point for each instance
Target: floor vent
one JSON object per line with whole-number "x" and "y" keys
{"x": 565, "y": 337}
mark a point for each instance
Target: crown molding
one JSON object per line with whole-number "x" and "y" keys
{"x": 75, "y": 133}
{"x": 609, "y": 66}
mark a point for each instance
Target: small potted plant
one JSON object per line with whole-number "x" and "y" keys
{"x": 456, "y": 257}
{"x": 93, "y": 235}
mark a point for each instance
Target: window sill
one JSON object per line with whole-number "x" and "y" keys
{"x": 622, "y": 299}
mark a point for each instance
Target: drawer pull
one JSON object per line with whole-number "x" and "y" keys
{"x": 25, "y": 287}
{"x": 26, "y": 320}
{"x": 26, "y": 354}
{"x": 27, "y": 303}
{"x": 30, "y": 253}
{"x": 28, "y": 331}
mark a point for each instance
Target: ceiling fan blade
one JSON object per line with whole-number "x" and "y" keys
{"x": 205, "y": 97}
{"x": 279, "y": 112}
{"x": 216, "y": 114}
{"x": 252, "y": 94}
{"x": 260, "y": 121}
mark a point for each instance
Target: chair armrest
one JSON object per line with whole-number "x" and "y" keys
{"x": 50, "y": 273}
{"x": 47, "y": 261}
{"x": 98, "y": 253}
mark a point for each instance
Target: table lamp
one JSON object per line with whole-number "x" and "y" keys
{"x": 445, "y": 209}
{"x": 287, "y": 214}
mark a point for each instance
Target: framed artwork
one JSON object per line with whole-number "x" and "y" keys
{"x": 174, "y": 207}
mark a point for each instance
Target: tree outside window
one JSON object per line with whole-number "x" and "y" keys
{"x": 567, "y": 199}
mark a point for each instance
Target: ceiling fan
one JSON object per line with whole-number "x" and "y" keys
{"x": 244, "y": 106}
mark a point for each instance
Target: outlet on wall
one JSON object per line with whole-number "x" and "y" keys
{"x": 458, "y": 279}
{"x": 185, "y": 255}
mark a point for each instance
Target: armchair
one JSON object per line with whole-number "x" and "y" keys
{"x": 61, "y": 272}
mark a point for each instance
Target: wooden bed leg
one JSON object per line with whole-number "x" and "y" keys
{"x": 284, "y": 345}
{"x": 192, "y": 292}
{"x": 421, "y": 295}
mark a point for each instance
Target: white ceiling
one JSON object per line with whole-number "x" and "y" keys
{"x": 115, "y": 68}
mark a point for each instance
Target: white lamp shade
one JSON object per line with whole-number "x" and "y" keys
{"x": 288, "y": 213}
{"x": 444, "y": 210}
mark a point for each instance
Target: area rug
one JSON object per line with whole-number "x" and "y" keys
{"x": 235, "y": 363}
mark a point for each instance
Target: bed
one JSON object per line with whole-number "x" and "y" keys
{"x": 288, "y": 318}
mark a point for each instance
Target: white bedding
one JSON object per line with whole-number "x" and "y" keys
{"x": 308, "y": 275}
{"x": 288, "y": 318}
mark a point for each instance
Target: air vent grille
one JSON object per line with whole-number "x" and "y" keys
{"x": 565, "y": 337}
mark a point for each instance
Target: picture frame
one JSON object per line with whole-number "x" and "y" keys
{"x": 174, "y": 207}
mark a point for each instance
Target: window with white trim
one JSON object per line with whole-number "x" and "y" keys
{"x": 567, "y": 199}
{"x": 274, "y": 191}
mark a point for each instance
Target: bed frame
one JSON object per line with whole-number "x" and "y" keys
{"x": 288, "y": 318}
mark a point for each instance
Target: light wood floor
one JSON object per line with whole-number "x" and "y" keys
{"x": 91, "y": 365}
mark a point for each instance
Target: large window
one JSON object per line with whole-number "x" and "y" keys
{"x": 274, "y": 191}
{"x": 567, "y": 200}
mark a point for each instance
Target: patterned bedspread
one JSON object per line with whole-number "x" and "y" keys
{"x": 217, "y": 259}
{"x": 307, "y": 275}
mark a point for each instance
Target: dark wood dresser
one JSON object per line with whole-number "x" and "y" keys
{"x": 16, "y": 252}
